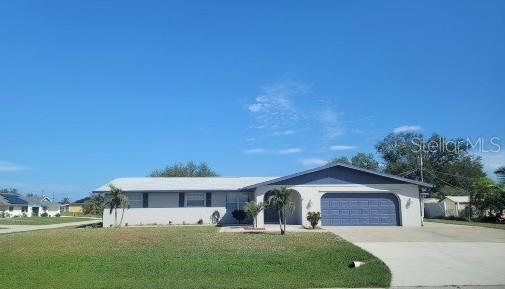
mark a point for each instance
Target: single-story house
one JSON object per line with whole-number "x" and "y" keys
{"x": 12, "y": 205}
{"x": 77, "y": 206}
{"x": 455, "y": 206}
{"x": 38, "y": 205}
{"x": 345, "y": 195}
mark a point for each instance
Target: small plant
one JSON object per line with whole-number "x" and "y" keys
{"x": 214, "y": 218}
{"x": 58, "y": 215}
{"x": 313, "y": 218}
{"x": 253, "y": 209}
{"x": 239, "y": 215}
{"x": 126, "y": 224}
{"x": 44, "y": 214}
{"x": 16, "y": 216}
{"x": 200, "y": 222}
{"x": 184, "y": 222}
{"x": 24, "y": 215}
{"x": 170, "y": 222}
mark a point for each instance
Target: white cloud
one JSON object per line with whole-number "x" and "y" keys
{"x": 313, "y": 162}
{"x": 331, "y": 123}
{"x": 285, "y": 132}
{"x": 342, "y": 147}
{"x": 289, "y": 151}
{"x": 9, "y": 167}
{"x": 274, "y": 106}
{"x": 407, "y": 129}
{"x": 260, "y": 151}
{"x": 255, "y": 151}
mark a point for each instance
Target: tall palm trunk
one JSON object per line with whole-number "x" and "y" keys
{"x": 122, "y": 215}
{"x": 280, "y": 221}
{"x": 115, "y": 217}
{"x": 284, "y": 217}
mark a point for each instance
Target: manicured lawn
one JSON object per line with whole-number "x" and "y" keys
{"x": 479, "y": 224}
{"x": 183, "y": 257}
{"x": 40, "y": 220}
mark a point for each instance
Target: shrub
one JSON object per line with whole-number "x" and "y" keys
{"x": 313, "y": 218}
{"x": 44, "y": 214}
{"x": 214, "y": 218}
{"x": 200, "y": 222}
{"x": 58, "y": 215}
{"x": 239, "y": 215}
{"x": 15, "y": 216}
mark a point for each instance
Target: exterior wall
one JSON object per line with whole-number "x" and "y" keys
{"x": 75, "y": 209}
{"x": 453, "y": 209}
{"x": 163, "y": 209}
{"x": 408, "y": 198}
{"x": 162, "y": 216}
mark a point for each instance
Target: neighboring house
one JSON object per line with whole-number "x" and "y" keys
{"x": 12, "y": 205}
{"x": 77, "y": 206}
{"x": 38, "y": 205}
{"x": 455, "y": 206}
{"x": 345, "y": 195}
{"x": 433, "y": 208}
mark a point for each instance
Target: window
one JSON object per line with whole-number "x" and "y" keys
{"x": 134, "y": 200}
{"x": 44, "y": 208}
{"x": 195, "y": 200}
{"x": 236, "y": 201}
{"x": 11, "y": 208}
{"x": 24, "y": 209}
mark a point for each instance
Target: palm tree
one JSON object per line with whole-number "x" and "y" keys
{"x": 117, "y": 200}
{"x": 500, "y": 173}
{"x": 281, "y": 200}
{"x": 253, "y": 209}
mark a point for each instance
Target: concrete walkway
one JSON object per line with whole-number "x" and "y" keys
{"x": 9, "y": 229}
{"x": 436, "y": 254}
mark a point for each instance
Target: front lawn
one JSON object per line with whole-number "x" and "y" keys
{"x": 466, "y": 223}
{"x": 183, "y": 257}
{"x": 40, "y": 220}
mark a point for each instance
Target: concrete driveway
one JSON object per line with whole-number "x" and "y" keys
{"x": 436, "y": 254}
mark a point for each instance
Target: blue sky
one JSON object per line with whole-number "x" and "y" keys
{"x": 93, "y": 90}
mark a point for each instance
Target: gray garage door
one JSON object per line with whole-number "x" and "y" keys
{"x": 359, "y": 209}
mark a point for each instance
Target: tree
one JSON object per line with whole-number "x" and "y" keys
{"x": 9, "y": 191}
{"x": 117, "y": 199}
{"x": 446, "y": 163}
{"x": 500, "y": 173}
{"x": 281, "y": 200}
{"x": 65, "y": 200}
{"x": 190, "y": 169}
{"x": 361, "y": 160}
{"x": 94, "y": 205}
{"x": 365, "y": 161}
{"x": 253, "y": 209}
{"x": 486, "y": 195}
{"x": 342, "y": 160}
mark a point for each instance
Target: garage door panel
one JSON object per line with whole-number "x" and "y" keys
{"x": 359, "y": 209}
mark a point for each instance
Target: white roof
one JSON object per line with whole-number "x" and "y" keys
{"x": 183, "y": 184}
{"x": 459, "y": 199}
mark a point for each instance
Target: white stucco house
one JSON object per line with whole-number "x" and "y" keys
{"x": 345, "y": 195}
{"x": 12, "y": 205}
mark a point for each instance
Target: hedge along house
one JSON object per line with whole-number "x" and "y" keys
{"x": 345, "y": 195}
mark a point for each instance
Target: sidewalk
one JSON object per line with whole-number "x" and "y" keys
{"x": 8, "y": 229}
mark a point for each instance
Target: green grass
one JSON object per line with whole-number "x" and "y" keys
{"x": 183, "y": 257}
{"x": 40, "y": 220}
{"x": 466, "y": 223}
